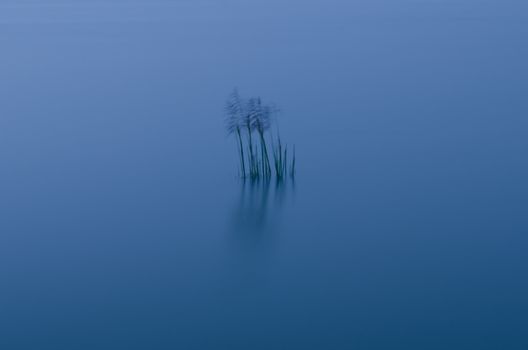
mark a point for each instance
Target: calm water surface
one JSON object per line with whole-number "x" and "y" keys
{"x": 123, "y": 224}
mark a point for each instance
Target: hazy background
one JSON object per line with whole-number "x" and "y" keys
{"x": 122, "y": 222}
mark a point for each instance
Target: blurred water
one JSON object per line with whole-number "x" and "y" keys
{"x": 123, "y": 224}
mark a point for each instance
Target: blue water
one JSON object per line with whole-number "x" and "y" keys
{"x": 123, "y": 224}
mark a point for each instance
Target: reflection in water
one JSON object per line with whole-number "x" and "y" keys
{"x": 255, "y": 226}
{"x": 260, "y": 203}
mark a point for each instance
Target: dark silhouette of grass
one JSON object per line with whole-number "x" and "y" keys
{"x": 233, "y": 124}
{"x": 246, "y": 117}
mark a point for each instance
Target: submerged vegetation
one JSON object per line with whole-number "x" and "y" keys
{"x": 250, "y": 121}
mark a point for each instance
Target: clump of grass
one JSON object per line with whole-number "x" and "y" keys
{"x": 248, "y": 118}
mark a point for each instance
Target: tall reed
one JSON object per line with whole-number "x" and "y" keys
{"x": 233, "y": 125}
